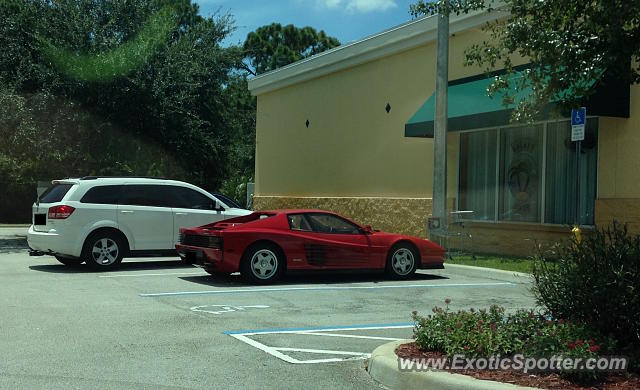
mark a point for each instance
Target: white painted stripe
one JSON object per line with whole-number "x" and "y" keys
{"x": 159, "y": 274}
{"x": 352, "y": 336}
{"x": 323, "y": 330}
{"x": 328, "y": 288}
{"x": 322, "y": 351}
{"x": 278, "y": 352}
{"x": 265, "y": 348}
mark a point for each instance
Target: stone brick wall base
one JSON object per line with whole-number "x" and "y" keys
{"x": 398, "y": 215}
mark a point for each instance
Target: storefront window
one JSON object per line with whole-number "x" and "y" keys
{"x": 478, "y": 173}
{"x": 560, "y": 189}
{"x": 520, "y": 173}
{"x": 528, "y": 173}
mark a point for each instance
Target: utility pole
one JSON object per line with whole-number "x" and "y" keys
{"x": 441, "y": 117}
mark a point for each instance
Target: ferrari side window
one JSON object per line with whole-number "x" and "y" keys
{"x": 328, "y": 223}
{"x": 298, "y": 222}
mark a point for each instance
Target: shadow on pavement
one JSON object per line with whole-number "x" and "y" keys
{"x": 124, "y": 267}
{"x": 306, "y": 278}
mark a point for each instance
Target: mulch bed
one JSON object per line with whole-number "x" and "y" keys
{"x": 539, "y": 380}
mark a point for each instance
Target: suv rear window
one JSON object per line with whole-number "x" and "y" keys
{"x": 55, "y": 193}
{"x": 102, "y": 195}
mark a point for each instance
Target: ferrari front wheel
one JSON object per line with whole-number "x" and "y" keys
{"x": 402, "y": 261}
{"x": 262, "y": 264}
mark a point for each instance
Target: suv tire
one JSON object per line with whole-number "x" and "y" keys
{"x": 103, "y": 250}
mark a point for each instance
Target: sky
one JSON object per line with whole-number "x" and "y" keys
{"x": 347, "y": 20}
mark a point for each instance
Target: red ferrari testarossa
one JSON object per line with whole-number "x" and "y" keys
{"x": 265, "y": 244}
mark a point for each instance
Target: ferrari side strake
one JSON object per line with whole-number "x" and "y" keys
{"x": 265, "y": 244}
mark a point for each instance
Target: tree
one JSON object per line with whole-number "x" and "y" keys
{"x": 273, "y": 46}
{"x": 570, "y": 46}
{"x": 115, "y": 88}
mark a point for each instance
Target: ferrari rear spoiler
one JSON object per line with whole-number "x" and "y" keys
{"x": 231, "y": 222}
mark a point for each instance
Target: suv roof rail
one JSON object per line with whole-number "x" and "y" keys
{"x": 122, "y": 177}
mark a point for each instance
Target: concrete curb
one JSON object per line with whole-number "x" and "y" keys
{"x": 383, "y": 368}
{"x": 487, "y": 270}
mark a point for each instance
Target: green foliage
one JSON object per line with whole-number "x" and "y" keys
{"x": 273, "y": 46}
{"x": 448, "y": 7}
{"x": 119, "y": 61}
{"x": 492, "y": 332}
{"x": 596, "y": 281}
{"x": 569, "y": 45}
{"x": 141, "y": 87}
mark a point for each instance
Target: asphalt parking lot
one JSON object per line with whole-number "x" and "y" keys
{"x": 157, "y": 323}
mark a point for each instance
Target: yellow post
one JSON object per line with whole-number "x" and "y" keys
{"x": 577, "y": 232}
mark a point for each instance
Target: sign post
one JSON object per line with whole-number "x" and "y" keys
{"x": 578, "y": 120}
{"x": 439, "y": 202}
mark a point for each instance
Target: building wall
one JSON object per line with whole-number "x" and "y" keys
{"x": 619, "y": 168}
{"x": 354, "y": 159}
{"x": 352, "y": 146}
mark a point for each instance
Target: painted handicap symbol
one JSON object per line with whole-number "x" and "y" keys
{"x": 221, "y": 309}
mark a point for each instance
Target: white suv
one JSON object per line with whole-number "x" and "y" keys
{"x": 101, "y": 220}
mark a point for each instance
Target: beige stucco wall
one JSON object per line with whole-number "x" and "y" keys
{"x": 352, "y": 147}
{"x": 619, "y": 168}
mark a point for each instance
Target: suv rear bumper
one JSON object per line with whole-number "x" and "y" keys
{"x": 49, "y": 243}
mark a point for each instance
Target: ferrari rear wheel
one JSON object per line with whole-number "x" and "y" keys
{"x": 262, "y": 264}
{"x": 402, "y": 261}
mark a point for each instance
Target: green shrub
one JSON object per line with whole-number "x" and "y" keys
{"x": 596, "y": 281}
{"x": 492, "y": 332}
{"x": 485, "y": 333}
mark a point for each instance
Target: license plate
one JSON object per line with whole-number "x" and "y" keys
{"x": 40, "y": 219}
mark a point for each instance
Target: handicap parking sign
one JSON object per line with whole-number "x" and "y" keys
{"x": 578, "y": 119}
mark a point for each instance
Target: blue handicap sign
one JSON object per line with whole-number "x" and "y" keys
{"x": 578, "y": 116}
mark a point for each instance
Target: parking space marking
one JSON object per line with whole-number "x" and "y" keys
{"x": 322, "y": 328}
{"x": 327, "y": 288}
{"x": 158, "y": 274}
{"x": 226, "y": 308}
{"x": 244, "y": 336}
{"x": 353, "y": 336}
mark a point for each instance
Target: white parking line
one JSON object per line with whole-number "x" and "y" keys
{"x": 158, "y": 274}
{"x": 244, "y": 336}
{"x": 326, "y": 288}
{"x": 354, "y": 336}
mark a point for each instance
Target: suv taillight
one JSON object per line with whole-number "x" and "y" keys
{"x": 60, "y": 212}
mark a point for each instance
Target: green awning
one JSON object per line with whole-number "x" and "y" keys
{"x": 470, "y": 108}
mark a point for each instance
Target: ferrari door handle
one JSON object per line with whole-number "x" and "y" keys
{"x": 126, "y": 211}
{"x": 181, "y": 213}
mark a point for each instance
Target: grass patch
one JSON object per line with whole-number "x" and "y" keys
{"x": 516, "y": 264}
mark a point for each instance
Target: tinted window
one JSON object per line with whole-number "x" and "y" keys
{"x": 327, "y": 223}
{"x": 102, "y": 195}
{"x": 298, "y": 222}
{"x": 187, "y": 198}
{"x": 226, "y": 200}
{"x": 55, "y": 193}
{"x": 146, "y": 195}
